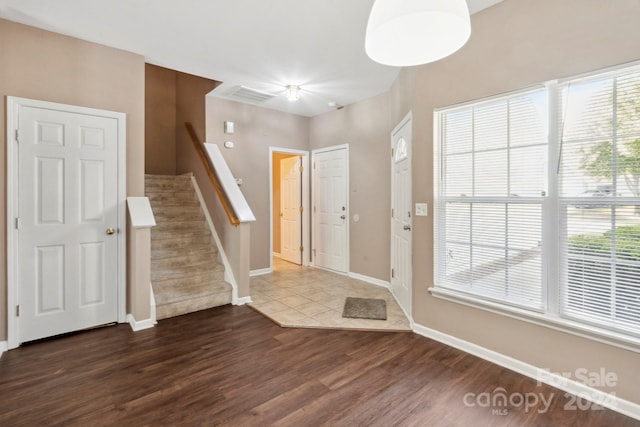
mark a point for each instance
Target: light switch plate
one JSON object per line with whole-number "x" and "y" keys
{"x": 421, "y": 209}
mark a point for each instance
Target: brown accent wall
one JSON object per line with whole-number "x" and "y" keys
{"x": 513, "y": 45}
{"x": 191, "y": 94}
{"x": 171, "y": 99}
{"x": 42, "y": 65}
{"x": 160, "y": 120}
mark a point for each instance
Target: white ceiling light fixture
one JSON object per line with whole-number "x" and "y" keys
{"x": 293, "y": 92}
{"x": 411, "y": 32}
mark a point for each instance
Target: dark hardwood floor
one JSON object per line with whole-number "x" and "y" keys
{"x": 231, "y": 366}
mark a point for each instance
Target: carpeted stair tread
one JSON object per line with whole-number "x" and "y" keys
{"x": 179, "y": 213}
{"x": 169, "y": 198}
{"x": 171, "y": 234}
{"x": 179, "y": 226}
{"x": 185, "y": 270}
{"x": 188, "y": 259}
{"x": 193, "y": 278}
{"x": 191, "y": 250}
{"x": 171, "y": 294}
{"x": 181, "y": 242}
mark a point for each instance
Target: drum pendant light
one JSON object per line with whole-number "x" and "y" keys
{"x": 412, "y": 32}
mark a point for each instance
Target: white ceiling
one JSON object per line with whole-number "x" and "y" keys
{"x": 260, "y": 44}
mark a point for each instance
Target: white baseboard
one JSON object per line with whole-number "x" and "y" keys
{"x": 371, "y": 280}
{"x": 243, "y": 301}
{"x": 4, "y": 346}
{"x": 568, "y": 385}
{"x": 153, "y": 305}
{"x": 139, "y": 325}
{"x": 260, "y": 272}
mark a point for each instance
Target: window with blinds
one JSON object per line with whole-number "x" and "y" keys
{"x": 493, "y": 182}
{"x": 545, "y": 218}
{"x": 599, "y": 202}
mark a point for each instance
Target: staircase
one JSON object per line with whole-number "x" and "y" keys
{"x": 186, "y": 273}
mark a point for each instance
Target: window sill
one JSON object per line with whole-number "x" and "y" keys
{"x": 559, "y": 324}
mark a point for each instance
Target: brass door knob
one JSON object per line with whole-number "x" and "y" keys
{"x": 111, "y": 230}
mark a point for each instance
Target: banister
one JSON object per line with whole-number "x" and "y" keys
{"x": 222, "y": 195}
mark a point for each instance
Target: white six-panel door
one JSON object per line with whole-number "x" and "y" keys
{"x": 330, "y": 187}
{"x": 290, "y": 206}
{"x": 67, "y": 262}
{"x": 401, "y": 217}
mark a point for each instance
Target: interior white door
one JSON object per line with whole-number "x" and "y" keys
{"x": 330, "y": 209}
{"x": 401, "y": 218}
{"x": 290, "y": 206}
{"x": 68, "y": 210}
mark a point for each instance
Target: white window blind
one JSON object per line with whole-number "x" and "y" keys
{"x": 600, "y": 200}
{"x": 493, "y": 181}
{"x": 548, "y": 222}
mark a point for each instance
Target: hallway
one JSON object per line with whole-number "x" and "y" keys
{"x": 295, "y": 296}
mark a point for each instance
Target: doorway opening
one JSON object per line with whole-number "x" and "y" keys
{"x": 289, "y": 201}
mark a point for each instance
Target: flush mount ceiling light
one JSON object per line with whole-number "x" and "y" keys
{"x": 412, "y": 32}
{"x": 293, "y": 92}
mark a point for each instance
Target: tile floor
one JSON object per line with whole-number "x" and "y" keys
{"x": 295, "y": 296}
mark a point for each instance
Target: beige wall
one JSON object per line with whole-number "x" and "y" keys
{"x": 47, "y": 66}
{"x": 366, "y": 127}
{"x": 256, "y": 129}
{"x": 516, "y": 44}
{"x": 160, "y": 120}
{"x": 513, "y": 45}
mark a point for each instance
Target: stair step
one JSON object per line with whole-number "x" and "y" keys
{"x": 182, "y": 242}
{"x": 169, "y": 294}
{"x": 162, "y": 185}
{"x": 185, "y": 270}
{"x": 160, "y": 236}
{"x": 180, "y": 226}
{"x": 159, "y": 186}
{"x": 167, "y": 178}
{"x": 190, "y": 250}
{"x": 216, "y": 275}
{"x": 168, "y": 195}
{"x": 178, "y": 213}
{"x": 190, "y": 305}
{"x": 185, "y": 260}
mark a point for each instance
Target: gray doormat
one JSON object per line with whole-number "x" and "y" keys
{"x": 365, "y": 308}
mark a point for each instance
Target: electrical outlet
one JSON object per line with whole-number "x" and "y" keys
{"x": 421, "y": 209}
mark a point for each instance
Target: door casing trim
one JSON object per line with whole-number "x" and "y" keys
{"x": 13, "y": 106}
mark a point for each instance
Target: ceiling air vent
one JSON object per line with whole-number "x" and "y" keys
{"x": 243, "y": 93}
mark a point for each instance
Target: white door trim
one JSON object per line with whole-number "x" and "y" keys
{"x": 13, "y": 105}
{"x": 305, "y": 202}
{"x": 348, "y": 221}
